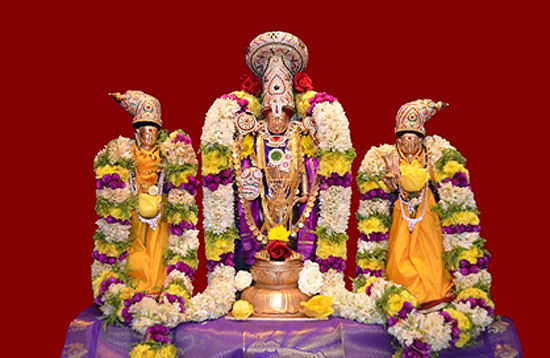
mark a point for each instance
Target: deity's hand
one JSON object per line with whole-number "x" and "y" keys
{"x": 301, "y": 200}
{"x": 391, "y": 181}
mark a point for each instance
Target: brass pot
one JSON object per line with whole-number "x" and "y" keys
{"x": 275, "y": 292}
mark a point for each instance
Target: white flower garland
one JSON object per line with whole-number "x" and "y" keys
{"x": 376, "y": 300}
{"x": 113, "y": 294}
{"x": 218, "y": 204}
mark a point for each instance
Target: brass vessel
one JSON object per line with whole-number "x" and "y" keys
{"x": 275, "y": 292}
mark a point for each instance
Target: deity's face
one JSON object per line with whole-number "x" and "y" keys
{"x": 277, "y": 125}
{"x": 146, "y": 136}
{"x": 409, "y": 143}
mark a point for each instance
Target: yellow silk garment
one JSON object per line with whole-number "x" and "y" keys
{"x": 145, "y": 259}
{"x": 414, "y": 259}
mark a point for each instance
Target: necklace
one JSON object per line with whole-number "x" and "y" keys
{"x": 410, "y": 206}
{"x": 245, "y": 204}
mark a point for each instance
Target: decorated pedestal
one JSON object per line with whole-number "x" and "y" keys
{"x": 275, "y": 293}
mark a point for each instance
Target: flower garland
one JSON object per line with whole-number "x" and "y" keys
{"x": 330, "y": 131}
{"x": 113, "y": 290}
{"x": 377, "y": 300}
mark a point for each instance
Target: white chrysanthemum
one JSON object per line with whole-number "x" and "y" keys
{"x": 179, "y": 196}
{"x": 120, "y": 149}
{"x": 115, "y": 232}
{"x": 462, "y": 282}
{"x": 436, "y": 332}
{"x": 182, "y": 245}
{"x": 463, "y": 240}
{"x": 334, "y": 206}
{"x": 118, "y": 196}
{"x": 218, "y": 209}
{"x": 450, "y": 194}
{"x": 178, "y": 276}
{"x": 369, "y": 207}
{"x": 370, "y": 246}
{"x": 169, "y": 313}
{"x": 373, "y": 162}
{"x": 435, "y": 146}
{"x": 332, "y": 126}
{"x": 406, "y": 331}
{"x": 219, "y": 123}
{"x": 479, "y": 316}
{"x": 98, "y": 268}
{"x": 216, "y": 300}
{"x": 145, "y": 314}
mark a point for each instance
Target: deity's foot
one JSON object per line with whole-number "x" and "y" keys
{"x": 436, "y": 305}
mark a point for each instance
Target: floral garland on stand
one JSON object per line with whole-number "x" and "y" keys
{"x": 114, "y": 293}
{"x": 329, "y": 128}
{"x": 377, "y": 300}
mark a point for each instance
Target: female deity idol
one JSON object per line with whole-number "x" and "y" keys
{"x": 146, "y": 189}
{"x": 415, "y": 244}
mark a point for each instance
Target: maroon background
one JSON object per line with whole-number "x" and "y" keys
{"x": 485, "y": 58}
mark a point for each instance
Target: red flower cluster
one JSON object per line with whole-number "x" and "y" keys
{"x": 251, "y": 84}
{"x": 278, "y": 250}
{"x": 302, "y": 82}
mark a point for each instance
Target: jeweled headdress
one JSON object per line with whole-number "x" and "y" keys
{"x": 145, "y": 108}
{"x": 412, "y": 115}
{"x": 276, "y": 57}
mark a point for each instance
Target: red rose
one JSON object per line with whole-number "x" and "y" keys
{"x": 302, "y": 82}
{"x": 278, "y": 249}
{"x": 251, "y": 84}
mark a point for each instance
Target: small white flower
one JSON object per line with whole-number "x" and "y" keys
{"x": 243, "y": 279}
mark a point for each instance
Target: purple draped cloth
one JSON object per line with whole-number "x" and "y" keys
{"x": 223, "y": 338}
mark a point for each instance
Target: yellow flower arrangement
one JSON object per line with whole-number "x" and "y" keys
{"x": 181, "y": 178}
{"x": 396, "y": 301}
{"x": 327, "y": 248}
{"x": 475, "y": 293}
{"x": 302, "y": 102}
{"x": 108, "y": 169}
{"x": 96, "y": 282}
{"x": 307, "y": 145}
{"x": 254, "y": 104}
{"x": 464, "y": 218}
{"x": 213, "y": 252}
{"x": 369, "y": 185}
{"x": 214, "y": 161}
{"x": 470, "y": 255}
{"x": 318, "y": 306}
{"x": 334, "y": 162}
{"x": 372, "y": 224}
{"x": 278, "y": 233}
{"x": 242, "y": 309}
{"x": 449, "y": 170}
{"x": 145, "y": 351}
{"x": 370, "y": 281}
{"x": 371, "y": 265}
{"x": 464, "y": 323}
{"x": 248, "y": 146}
{"x": 107, "y": 248}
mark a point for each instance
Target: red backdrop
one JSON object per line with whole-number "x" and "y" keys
{"x": 485, "y": 58}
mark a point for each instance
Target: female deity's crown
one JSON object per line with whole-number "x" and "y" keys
{"x": 276, "y": 57}
{"x": 412, "y": 115}
{"x": 145, "y": 108}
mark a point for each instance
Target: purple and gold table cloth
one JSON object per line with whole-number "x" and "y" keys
{"x": 222, "y": 338}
